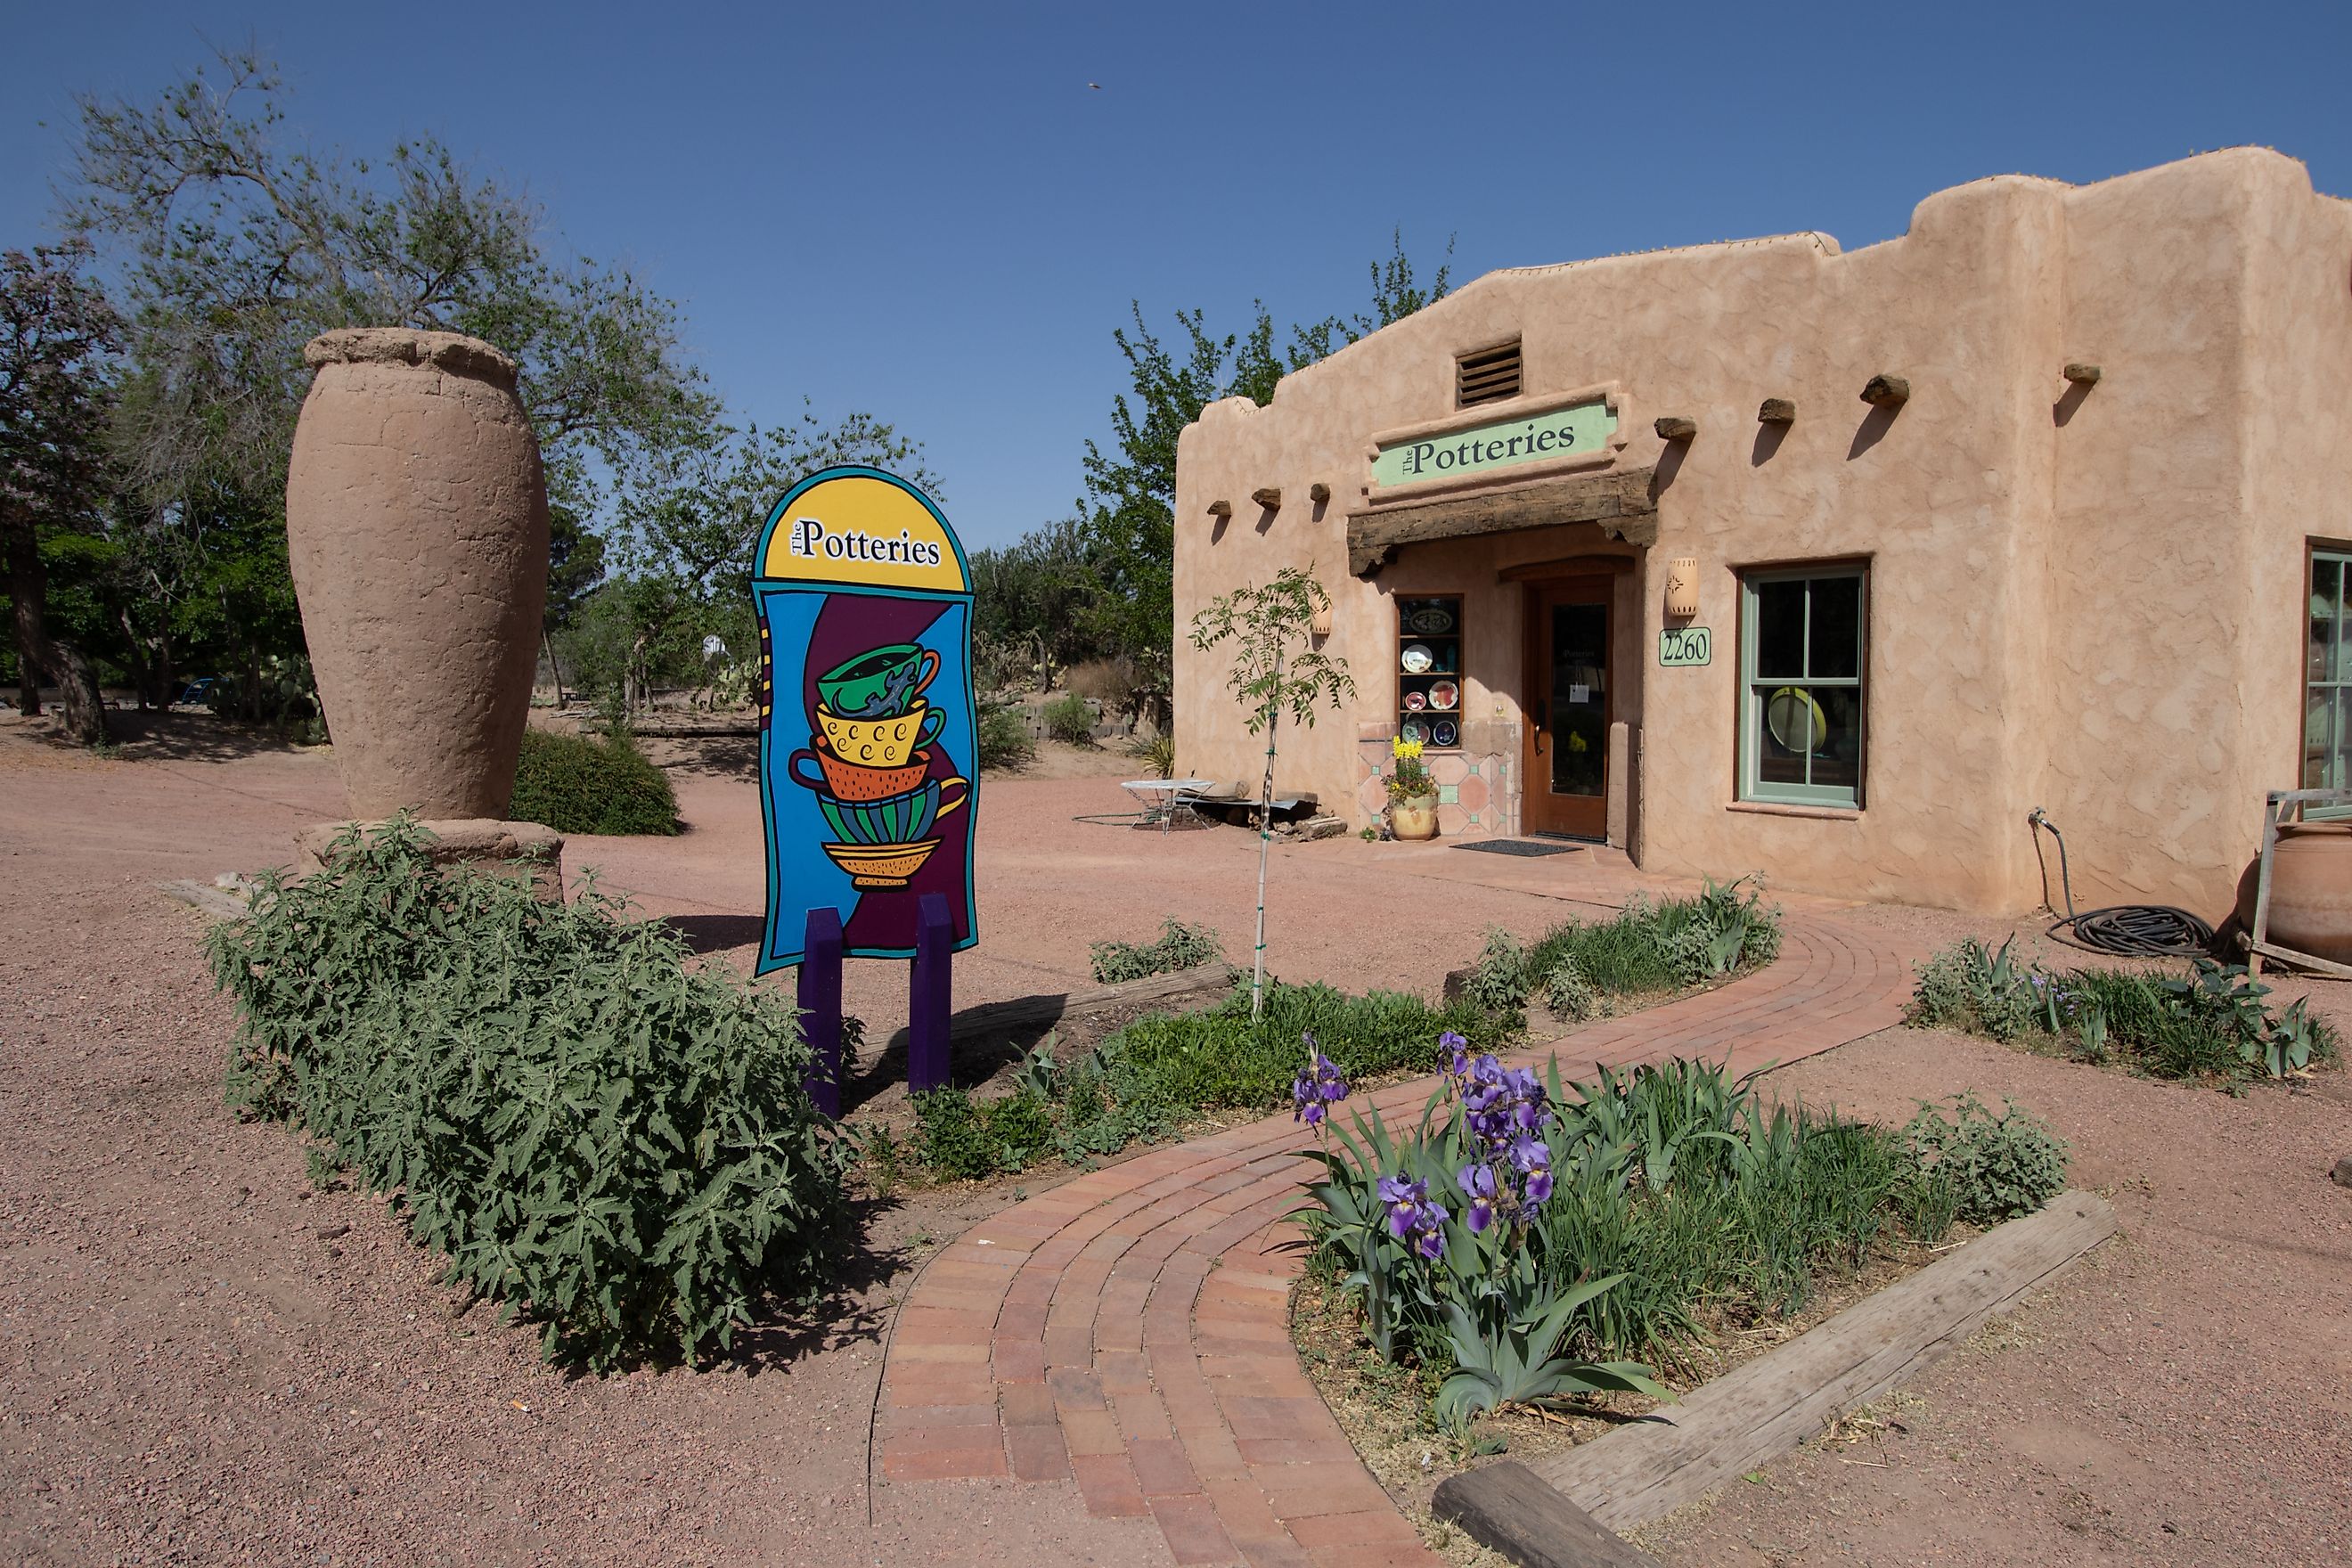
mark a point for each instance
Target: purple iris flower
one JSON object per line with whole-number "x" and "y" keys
{"x": 1408, "y": 1204}
{"x": 1317, "y": 1085}
{"x": 1457, "y": 1060}
{"x": 1533, "y": 1158}
{"x": 1430, "y": 1244}
{"x": 1477, "y": 1183}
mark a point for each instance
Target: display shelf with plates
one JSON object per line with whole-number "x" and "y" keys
{"x": 1429, "y": 670}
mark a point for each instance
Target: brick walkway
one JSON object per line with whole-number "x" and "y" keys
{"x": 1127, "y": 1334}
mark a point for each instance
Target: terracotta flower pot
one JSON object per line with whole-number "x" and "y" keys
{"x": 2311, "y": 891}
{"x": 1413, "y": 816}
{"x": 417, "y": 530}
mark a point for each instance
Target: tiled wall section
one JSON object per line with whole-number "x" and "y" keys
{"x": 1477, "y": 793}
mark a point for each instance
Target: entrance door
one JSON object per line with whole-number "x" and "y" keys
{"x": 1568, "y": 711}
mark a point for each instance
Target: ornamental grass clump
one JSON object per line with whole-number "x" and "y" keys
{"x": 595, "y": 1135}
{"x": 1581, "y": 969}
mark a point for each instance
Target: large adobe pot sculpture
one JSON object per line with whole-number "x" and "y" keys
{"x": 417, "y": 528}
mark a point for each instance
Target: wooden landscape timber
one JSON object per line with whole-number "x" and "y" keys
{"x": 1031, "y": 1012}
{"x": 1639, "y": 1473}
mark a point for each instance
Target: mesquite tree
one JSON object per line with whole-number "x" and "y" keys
{"x": 58, "y": 336}
{"x": 1275, "y": 667}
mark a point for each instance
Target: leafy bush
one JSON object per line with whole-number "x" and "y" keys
{"x": 1004, "y": 743}
{"x": 591, "y": 1131}
{"x": 1519, "y": 1231}
{"x": 1070, "y": 719}
{"x": 960, "y": 1138}
{"x": 2211, "y": 1023}
{"x": 577, "y": 784}
{"x": 1650, "y": 946}
{"x": 1996, "y": 1167}
{"x": 1179, "y": 946}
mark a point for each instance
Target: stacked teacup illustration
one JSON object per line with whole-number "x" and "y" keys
{"x": 872, "y": 766}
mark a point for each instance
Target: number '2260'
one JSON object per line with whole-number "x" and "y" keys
{"x": 1686, "y": 645}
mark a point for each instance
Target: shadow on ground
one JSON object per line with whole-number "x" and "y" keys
{"x": 148, "y": 737}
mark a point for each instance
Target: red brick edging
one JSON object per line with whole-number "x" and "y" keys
{"x": 1127, "y": 1334}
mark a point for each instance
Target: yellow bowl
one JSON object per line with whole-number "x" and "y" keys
{"x": 880, "y": 742}
{"x": 881, "y": 865}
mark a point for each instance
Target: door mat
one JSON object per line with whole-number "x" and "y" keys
{"x": 1519, "y": 847}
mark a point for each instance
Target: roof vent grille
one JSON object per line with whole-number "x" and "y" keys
{"x": 1487, "y": 375}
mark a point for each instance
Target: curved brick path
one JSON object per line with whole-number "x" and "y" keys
{"x": 1127, "y": 1334}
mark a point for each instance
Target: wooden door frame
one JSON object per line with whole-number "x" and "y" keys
{"x": 1535, "y": 671}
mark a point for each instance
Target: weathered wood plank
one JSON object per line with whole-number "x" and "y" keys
{"x": 1644, "y": 1471}
{"x": 1027, "y": 1012}
{"x": 1506, "y": 1507}
{"x": 1619, "y": 501}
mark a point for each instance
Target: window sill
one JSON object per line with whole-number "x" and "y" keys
{"x": 1788, "y": 808}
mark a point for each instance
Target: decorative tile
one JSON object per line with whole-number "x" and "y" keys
{"x": 1448, "y": 793}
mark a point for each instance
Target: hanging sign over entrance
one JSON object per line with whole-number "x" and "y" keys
{"x": 1567, "y": 432}
{"x": 869, "y": 770}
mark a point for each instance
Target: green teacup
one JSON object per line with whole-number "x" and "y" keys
{"x": 880, "y": 683}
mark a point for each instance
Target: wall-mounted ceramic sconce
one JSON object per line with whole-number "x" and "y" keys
{"x": 1320, "y": 623}
{"x": 1682, "y": 587}
{"x": 1269, "y": 497}
{"x": 1775, "y": 411}
{"x": 1886, "y": 392}
{"x": 1675, "y": 428}
{"x": 2083, "y": 374}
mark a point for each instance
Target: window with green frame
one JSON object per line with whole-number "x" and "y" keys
{"x": 1802, "y": 663}
{"x": 2327, "y": 675}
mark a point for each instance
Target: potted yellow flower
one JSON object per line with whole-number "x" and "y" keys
{"x": 1412, "y": 793}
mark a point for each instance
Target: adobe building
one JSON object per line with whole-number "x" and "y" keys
{"x": 1765, "y": 556}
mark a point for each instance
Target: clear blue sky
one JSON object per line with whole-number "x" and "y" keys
{"x": 926, "y": 212}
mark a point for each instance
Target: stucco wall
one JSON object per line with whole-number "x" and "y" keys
{"x": 2078, "y": 600}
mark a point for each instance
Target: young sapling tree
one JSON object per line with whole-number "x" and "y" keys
{"x": 1276, "y": 668}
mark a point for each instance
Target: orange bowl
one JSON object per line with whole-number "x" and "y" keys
{"x": 881, "y": 865}
{"x": 855, "y": 781}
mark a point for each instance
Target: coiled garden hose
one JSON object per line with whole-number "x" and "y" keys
{"x": 2128, "y": 931}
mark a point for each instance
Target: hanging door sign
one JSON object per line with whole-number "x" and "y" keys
{"x": 868, "y": 772}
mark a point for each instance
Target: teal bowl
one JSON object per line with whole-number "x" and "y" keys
{"x": 894, "y": 819}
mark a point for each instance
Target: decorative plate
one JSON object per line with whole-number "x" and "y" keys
{"x": 1414, "y": 701}
{"x": 1415, "y": 659}
{"x": 1429, "y": 622}
{"x": 1414, "y": 731}
{"x": 1444, "y": 696}
{"x": 1443, "y": 733}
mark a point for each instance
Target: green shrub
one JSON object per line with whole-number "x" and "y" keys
{"x": 604, "y": 1139}
{"x": 1004, "y": 743}
{"x": 1650, "y": 946}
{"x": 2211, "y": 1023}
{"x": 963, "y": 1139}
{"x": 576, "y": 784}
{"x": 1179, "y": 946}
{"x": 1998, "y": 1167}
{"x": 1070, "y": 720}
{"x": 1219, "y": 1059}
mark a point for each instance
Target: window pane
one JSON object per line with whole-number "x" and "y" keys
{"x": 1580, "y": 705}
{"x": 1837, "y": 753}
{"x": 1836, "y": 636}
{"x": 1781, "y": 630}
{"x": 2328, "y": 659}
{"x": 1778, "y": 761}
{"x": 2339, "y": 776}
{"x": 2318, "y": 736}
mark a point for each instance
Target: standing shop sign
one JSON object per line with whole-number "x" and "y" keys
{"x": 868, "y": 764}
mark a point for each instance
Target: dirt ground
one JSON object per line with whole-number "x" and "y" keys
{"x": 199, "y": 1362}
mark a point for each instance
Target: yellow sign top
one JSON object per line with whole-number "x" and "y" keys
{"x": 864, "y": 529}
